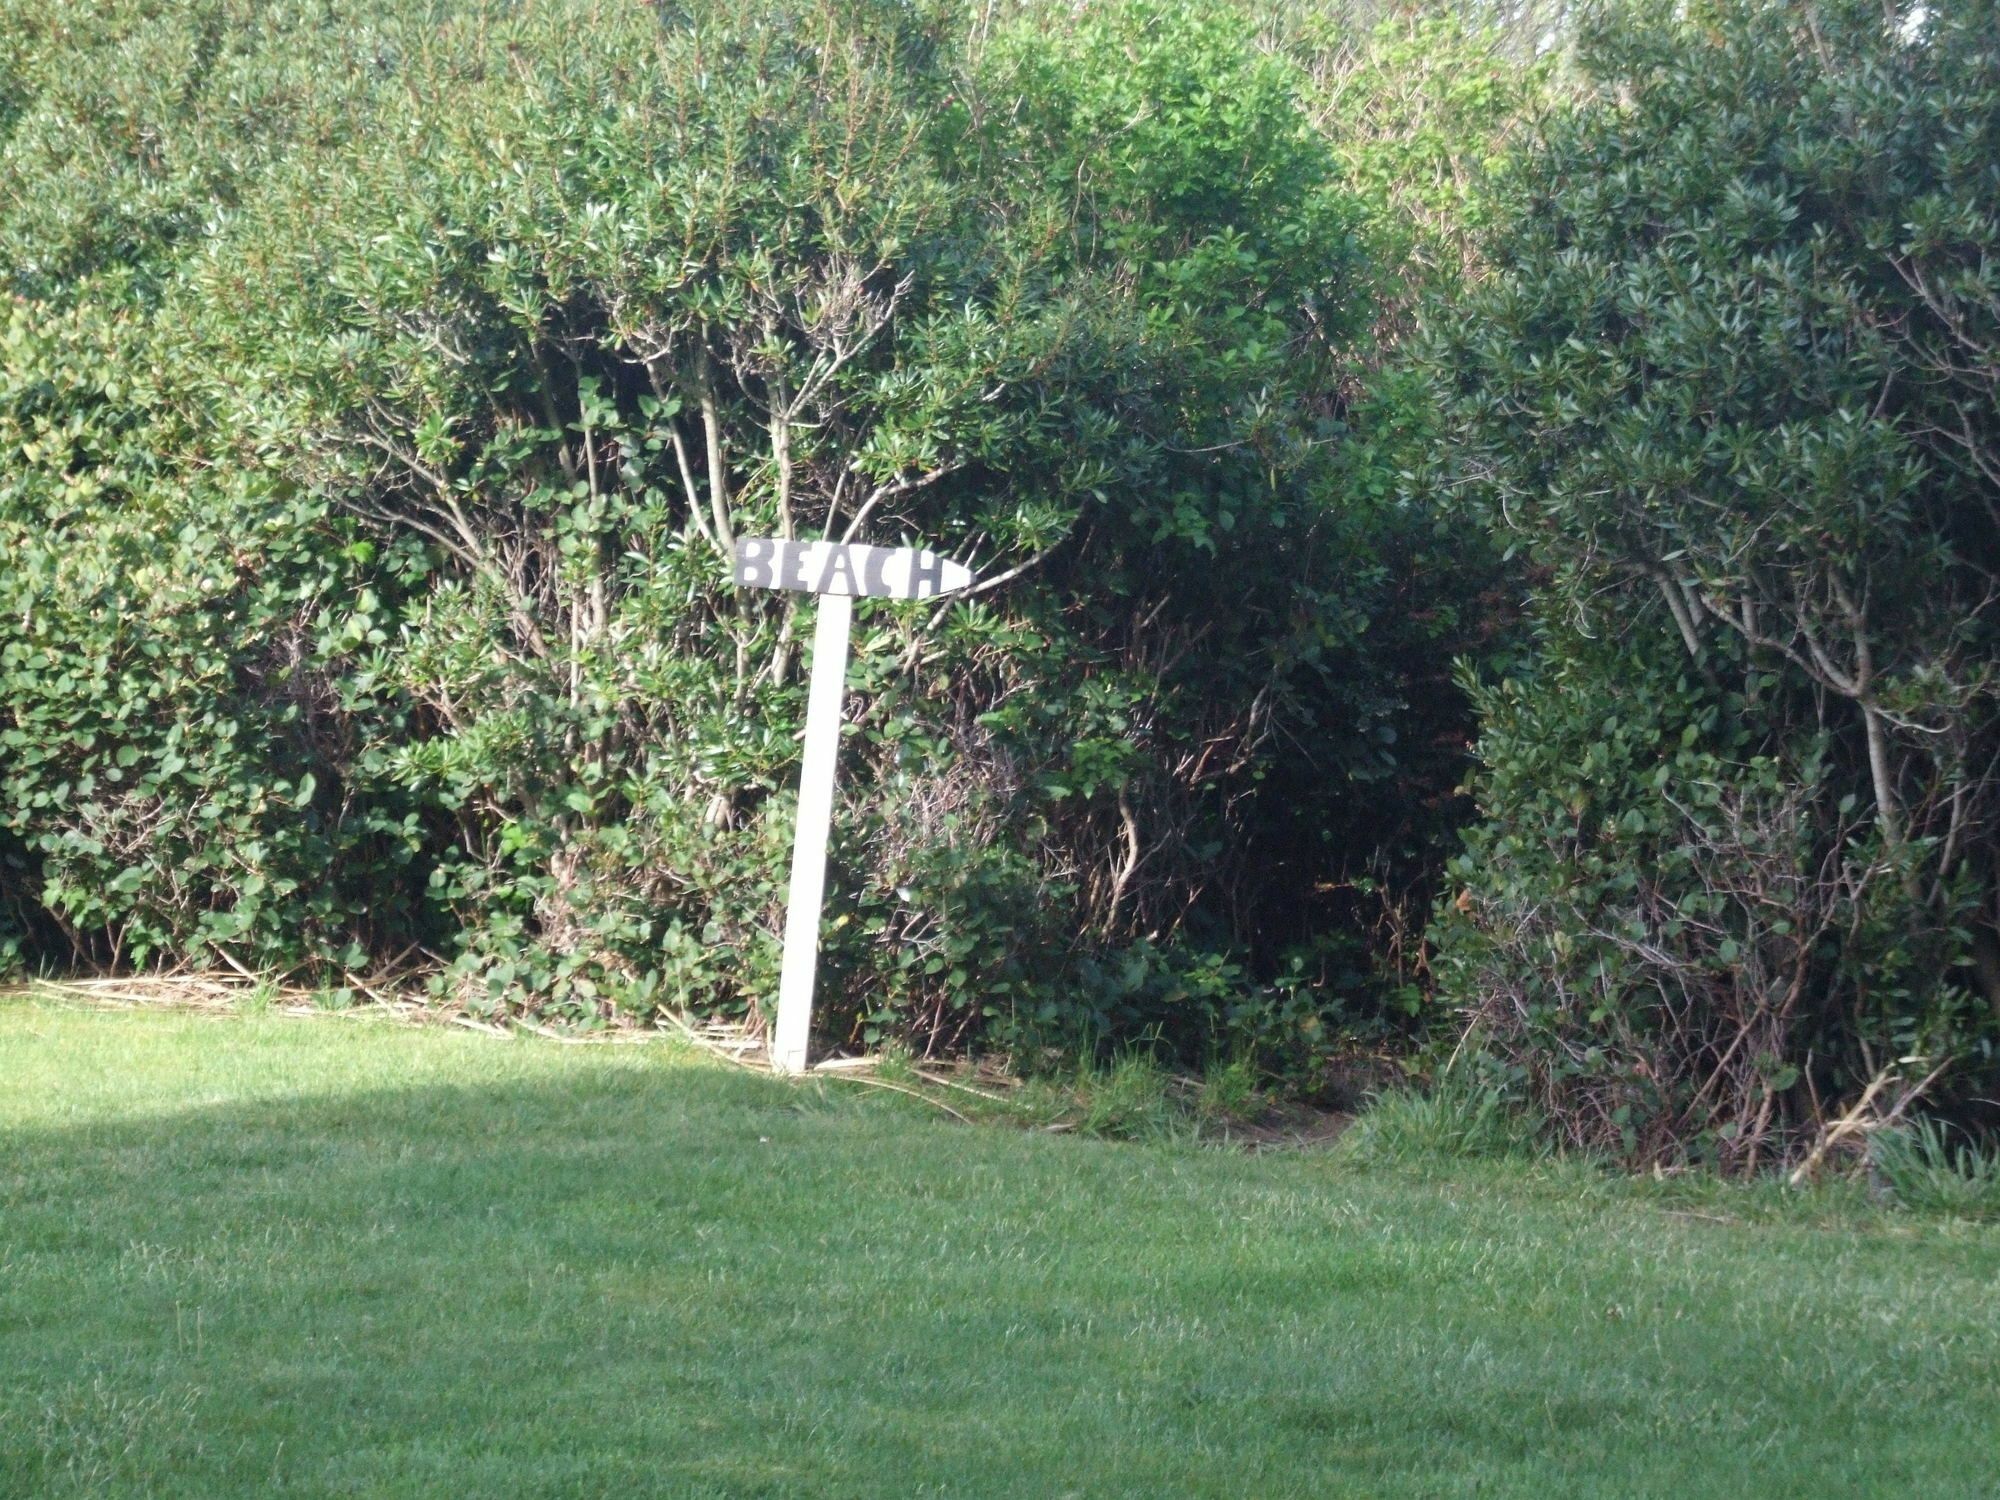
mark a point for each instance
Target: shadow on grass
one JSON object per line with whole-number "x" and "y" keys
{"x": 675, "y": 1280}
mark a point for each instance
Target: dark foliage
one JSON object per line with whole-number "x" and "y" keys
{"x": 1731, "y": 389}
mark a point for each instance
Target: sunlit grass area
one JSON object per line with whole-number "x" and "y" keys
{"x": 272, "y": 1256}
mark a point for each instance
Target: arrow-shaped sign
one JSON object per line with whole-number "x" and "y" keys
{"x": 839, "y": 573}
{"x": 847, "y": 568}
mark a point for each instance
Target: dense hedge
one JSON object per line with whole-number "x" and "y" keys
{"x": 1729, "y": 389}
{"x": 383, "y": 385}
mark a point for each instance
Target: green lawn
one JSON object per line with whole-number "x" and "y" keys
{"x": 271, "y": 1256}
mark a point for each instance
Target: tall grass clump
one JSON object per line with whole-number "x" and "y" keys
{"x": 1457, "y": 1117}
{"x": 1929, "y": 1167}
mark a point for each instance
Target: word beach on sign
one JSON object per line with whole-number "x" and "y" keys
{"x": 848, "y": 569}
{"x": 839, "y": 573}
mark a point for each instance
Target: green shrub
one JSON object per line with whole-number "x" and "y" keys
{"x": 386, "y": 388}
{"x": 1424, "y": 105}
{"x": 176, "y": 776}
{"x": 1726, "y": 392}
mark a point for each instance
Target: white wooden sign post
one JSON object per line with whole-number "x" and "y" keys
{"x": 839, "y": 573}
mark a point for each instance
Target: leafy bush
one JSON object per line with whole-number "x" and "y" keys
{"x": 1728, "y": 392}
{"x": 1424, "y": 107}
{"x": 1661, "y": 920}
{"x": 386, "y": 388}
{"x": 167, "y": 783}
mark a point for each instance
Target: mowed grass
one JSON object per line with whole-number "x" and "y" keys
{"x": 274, "y": 1256}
